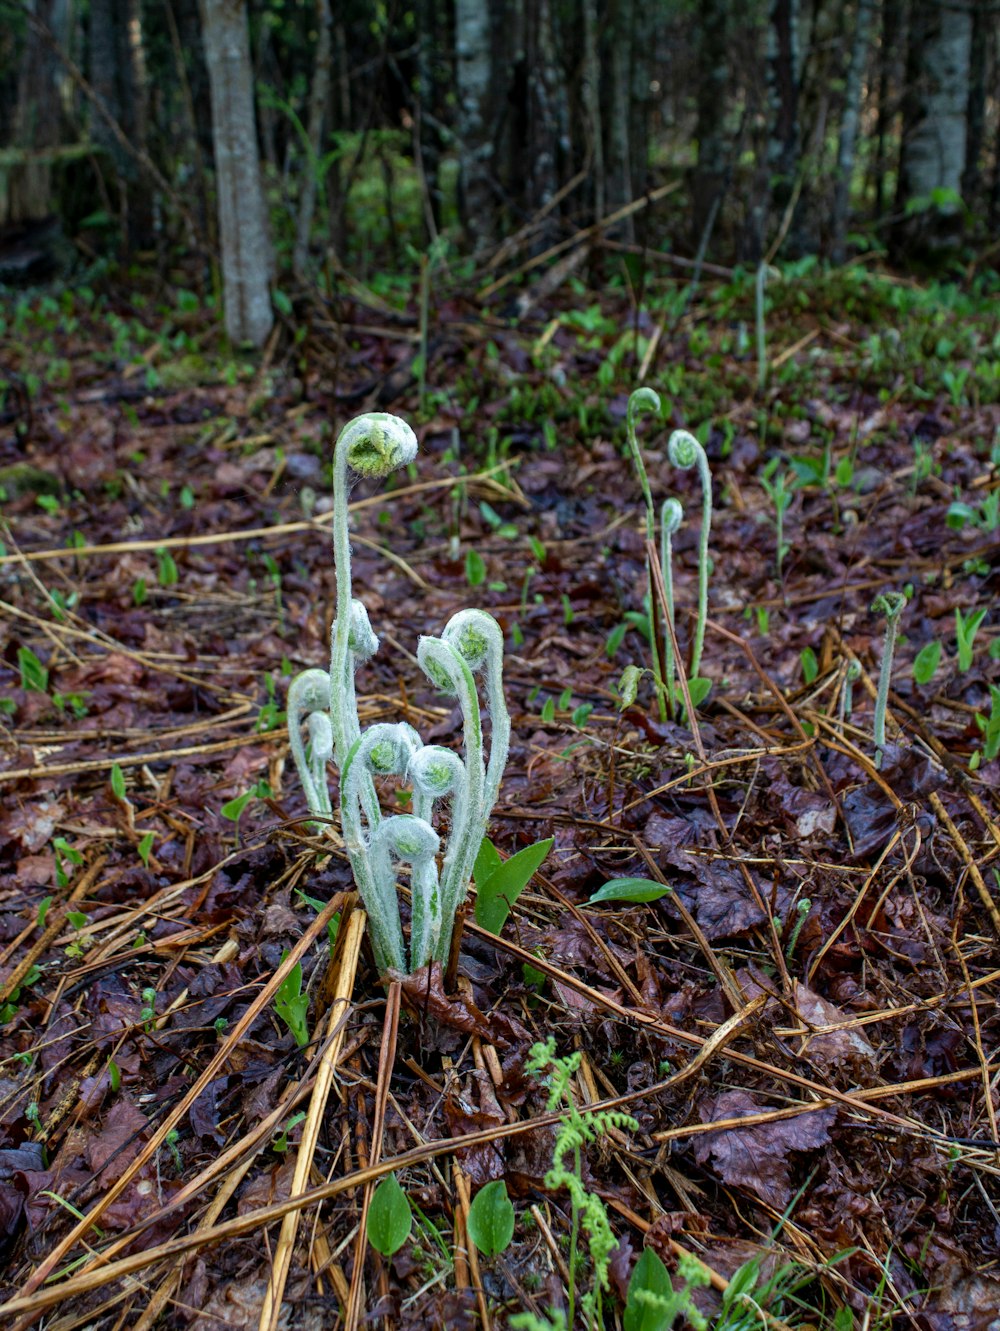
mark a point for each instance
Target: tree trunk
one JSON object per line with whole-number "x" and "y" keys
{"x": 709, "y": 176}
{"x": 847, "y": 148}
{"x": 548, "y": 117}
{"x": 243, "y": 234}
{"x": 36, "y": 117}
{"x": 433, "y": 90}
{"x": 975, "y": 113}
{"x": 473, "y": 50}
{"x": 318, "y": 95}
{"x": 591, "y": 97}
{"x": 783, "y": 69}
{"x": 934, "y": 130}
{"x": 619, "y": 120}
{"x": 886, "y": 101}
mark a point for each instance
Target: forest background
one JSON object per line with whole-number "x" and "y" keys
{"x": 294, "y": 137}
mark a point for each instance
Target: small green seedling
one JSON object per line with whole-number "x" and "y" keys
{"x": 280, "y": 1142}
{"x": 147, "y": 1013}
{"x": 145, "y": 848}
{"x": 333, "y": 924}
{"x": 390, "y": 1217}
{"x": 628, "y": 686}
{"x": 34, "y": 676}
{"x": 233, "y": 809}
{"x": 851, "y": 676}
{"x": 491, "y": 1219}
{"x": 925, "y": 663}
{"x": 64, "y": 852}
{"x": 499, "y": 882}
{"x": 166, "y": 568}
{"x": 779, "y": 490}
{"x": 990, "y": 727}
{"x": 292, "y": 1005}
{"x": 966, "y": 628}
{"x": 475, "y": 568}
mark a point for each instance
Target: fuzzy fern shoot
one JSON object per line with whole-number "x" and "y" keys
{"x": 373, "y": 446}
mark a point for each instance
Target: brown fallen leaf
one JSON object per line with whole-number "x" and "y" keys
{"x": 831, "y": 1049}
{"x": 757, "y": 1157}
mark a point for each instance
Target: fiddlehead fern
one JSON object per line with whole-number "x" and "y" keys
{"x": 309, "y": 697}
{"x": 685, "y": 452}
{"x": 671, "y": 518}
{"x": 414, "y": 841}
{"x": 448, "y": 670}
{"x": 647, "y": 399}
{"x": 373, "y": 446}
{"x": 891, "y": 605}
{"x": 436, "y": 772}
{"x": 478, "y": 639}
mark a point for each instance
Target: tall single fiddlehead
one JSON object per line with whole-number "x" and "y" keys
{"x": 647, "y": 399}
{"x": 685, "y": 452}
{"x": 671, "y": 518}
{"x": 383, "y": 750}
{"x": 448, "y": 670}
{"x": 309, "y": 698}
{"x": 373, "y": 446}
{"x": 891, "y": 605}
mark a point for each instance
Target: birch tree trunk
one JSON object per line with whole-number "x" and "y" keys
{"x": 847, "y": 147}
{"x": 475, "y": 146}
{"x": 318, "y": 95}
{"x": 243, "y": 234}
{"x": 934, "y": 129}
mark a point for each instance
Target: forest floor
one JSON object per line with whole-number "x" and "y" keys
{"x": 803, "y": 1028}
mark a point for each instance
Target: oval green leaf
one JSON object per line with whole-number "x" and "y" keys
{"x": 630, "y": 889}
{"x": 502, "y": 885}
{"x": 389, "y": 1217}
{"x": 699, "y": 687}
{"x": 926, "y": 662}
{"x": 657, "y": 1310}
{"x": 491, "y": 1219}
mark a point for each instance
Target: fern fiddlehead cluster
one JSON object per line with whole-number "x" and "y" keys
{"x": 373, "y": 446}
